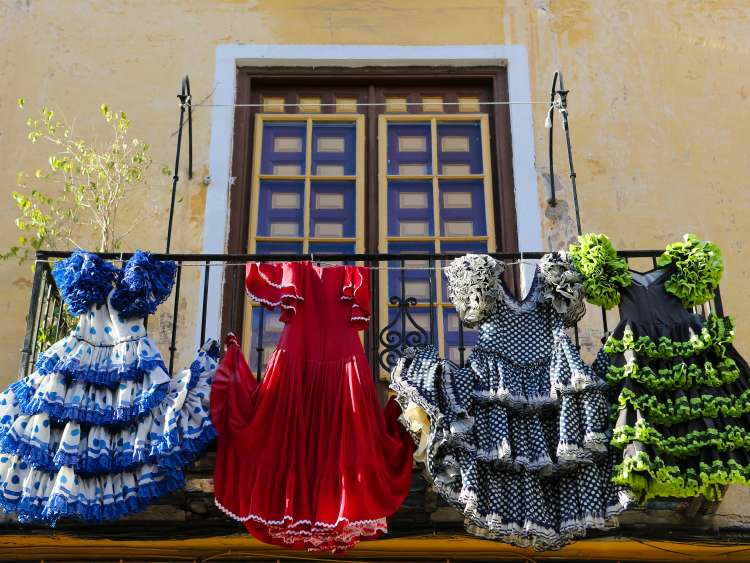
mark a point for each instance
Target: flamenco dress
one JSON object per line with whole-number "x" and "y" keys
{"x": 518, "y": 438}
{"x": 682, "y": 391}
{"x": 99, "y": 429}
{"x": 308, "y": 458}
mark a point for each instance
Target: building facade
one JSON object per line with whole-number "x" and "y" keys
{"x": 391, "y": 127}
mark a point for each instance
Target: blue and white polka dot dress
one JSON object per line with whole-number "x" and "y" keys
{"x": 518, "y": 438}
{"x": 100, "y": 429}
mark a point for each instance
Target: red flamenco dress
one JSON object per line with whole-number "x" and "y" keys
{"x": 308, "y": 459}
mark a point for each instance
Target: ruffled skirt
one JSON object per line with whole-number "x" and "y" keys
{"x": 73, "y": 448}
{"x": 307, "y": 459}
{"x": 682, "y": 408}
{"x": 520, "y": 450}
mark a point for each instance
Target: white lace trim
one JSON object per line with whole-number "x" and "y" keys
{"x": 291, "y": 523}
{"x": 367, "y": 319}
{"x": 279, "y": 303}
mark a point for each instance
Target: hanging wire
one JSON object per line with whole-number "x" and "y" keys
{"x": 300, "y": 105}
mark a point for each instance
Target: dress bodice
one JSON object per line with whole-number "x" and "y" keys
{"x": 102, "y": 325}
{"x": 323, "y": 307}
{"x": 529, "y": 320}
{"x": 646, "y": 300}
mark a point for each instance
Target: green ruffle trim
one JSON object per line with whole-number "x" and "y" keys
{"x": 698, "y": 268}
{"x": 678, "y": 376}
{"x": 731, "y": 438}
{"x": 604, "y": 273}
{"x": 715, "y": 333}
{"x": 649, "y": 478}
{"x": 682, "y": 409}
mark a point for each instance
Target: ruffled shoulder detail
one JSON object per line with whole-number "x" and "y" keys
{"x": 275, "y": 284}
{"x": 145, "y": 283}
{"x": 604, "y": 272}
{"x": 356, "y": 289}
{"x": 474, "y": 286}
{"x": 562, "y": 287}
{"x": 698, "y": 266}
{"x": 84, "y": 280}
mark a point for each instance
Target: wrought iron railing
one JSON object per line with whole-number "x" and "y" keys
{"x": 385, "y": 338}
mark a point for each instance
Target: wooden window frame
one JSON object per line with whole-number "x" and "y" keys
{"x": 367, "y": 83}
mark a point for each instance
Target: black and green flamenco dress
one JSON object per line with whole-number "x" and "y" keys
{"x": 680, "y": 389}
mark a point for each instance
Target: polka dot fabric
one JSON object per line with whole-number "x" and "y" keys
{"x": 100, "y": 429}
{"x": 518, "y": 438}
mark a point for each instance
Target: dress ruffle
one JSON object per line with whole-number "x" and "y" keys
{"x": 84, "y": 279}
{"x": 145, "y": 283}
{"x": 698, "y": 267}
{"x": 604, "y": 272}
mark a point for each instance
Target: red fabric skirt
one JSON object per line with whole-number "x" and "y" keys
{"x": 308, "y": 459}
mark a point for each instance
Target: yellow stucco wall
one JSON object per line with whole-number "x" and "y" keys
{"x": 659, "y": 100}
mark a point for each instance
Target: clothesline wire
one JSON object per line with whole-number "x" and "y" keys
{"x": 369, "y": 104}
{"x": 326, "y": 264}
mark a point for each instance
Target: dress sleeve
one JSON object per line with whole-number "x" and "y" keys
{"x": 144, "y": 284}
{"x": 698, "y": 265}
{"x": 604, "y": 272}
{"x": 356, "y": 289}
{"x": 84, "y": 280}
{"x": 562, "y": 286}
{"x": 474, "y": 286}
{"x": 275, "y": 285}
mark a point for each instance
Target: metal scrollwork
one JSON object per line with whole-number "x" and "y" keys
{"x": 395, "y": 337}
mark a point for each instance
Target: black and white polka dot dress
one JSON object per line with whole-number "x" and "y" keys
{"x": 518, "y": 438}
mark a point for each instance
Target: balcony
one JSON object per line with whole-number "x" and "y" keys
{"x": 399, "y": 319}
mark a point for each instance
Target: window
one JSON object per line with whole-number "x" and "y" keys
{"x": 435, "y": 197}
{"x": 319, "y": 168}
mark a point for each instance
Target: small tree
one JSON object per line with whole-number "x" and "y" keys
{"x": 85, "y": 185}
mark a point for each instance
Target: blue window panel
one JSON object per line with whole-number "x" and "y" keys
{"x": 278, "y": 247}
{"x": 453, "y": 336}
{"x": 410, "y": 211}
{"x": 333, "y": 248}
{"x": 416, "y": 279}
{"x": 334, "y": 149}
{"x": 459, "y": 248}
{"x": 268, "y": 340}
{"x": 462, "y": 208}
{"x": 280, "y": 208}
{"x": 409, "y": 149}
{"x": 459, "y": 148}
{"x": 283, "y": 148}
{"x": 412, "y": 329}
{"x": 333, "y": 209}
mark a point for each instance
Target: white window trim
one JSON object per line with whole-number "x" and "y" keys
{"x": 231, "y": 56}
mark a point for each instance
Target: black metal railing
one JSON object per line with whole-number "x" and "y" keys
{"x": 385, "y": 338}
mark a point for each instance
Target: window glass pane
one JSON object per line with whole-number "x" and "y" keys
{"x": 267, "y": 339}
{"x": 415, "y": 330}
{"x": 462, "y": 209}
{"x": 266, "y": 247}
{"x": 410, "y": 211}
{"x": 454, "y": 339}
{"x": 459, "y": 148}
{"x": 334, "y": 149}
{"x": 409, "y": 149}
{"x": 283, "y": 150}
{"x": 415, "y": 279}
{"x": 280, "y": 209}
{"x": 333, "y": 211}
